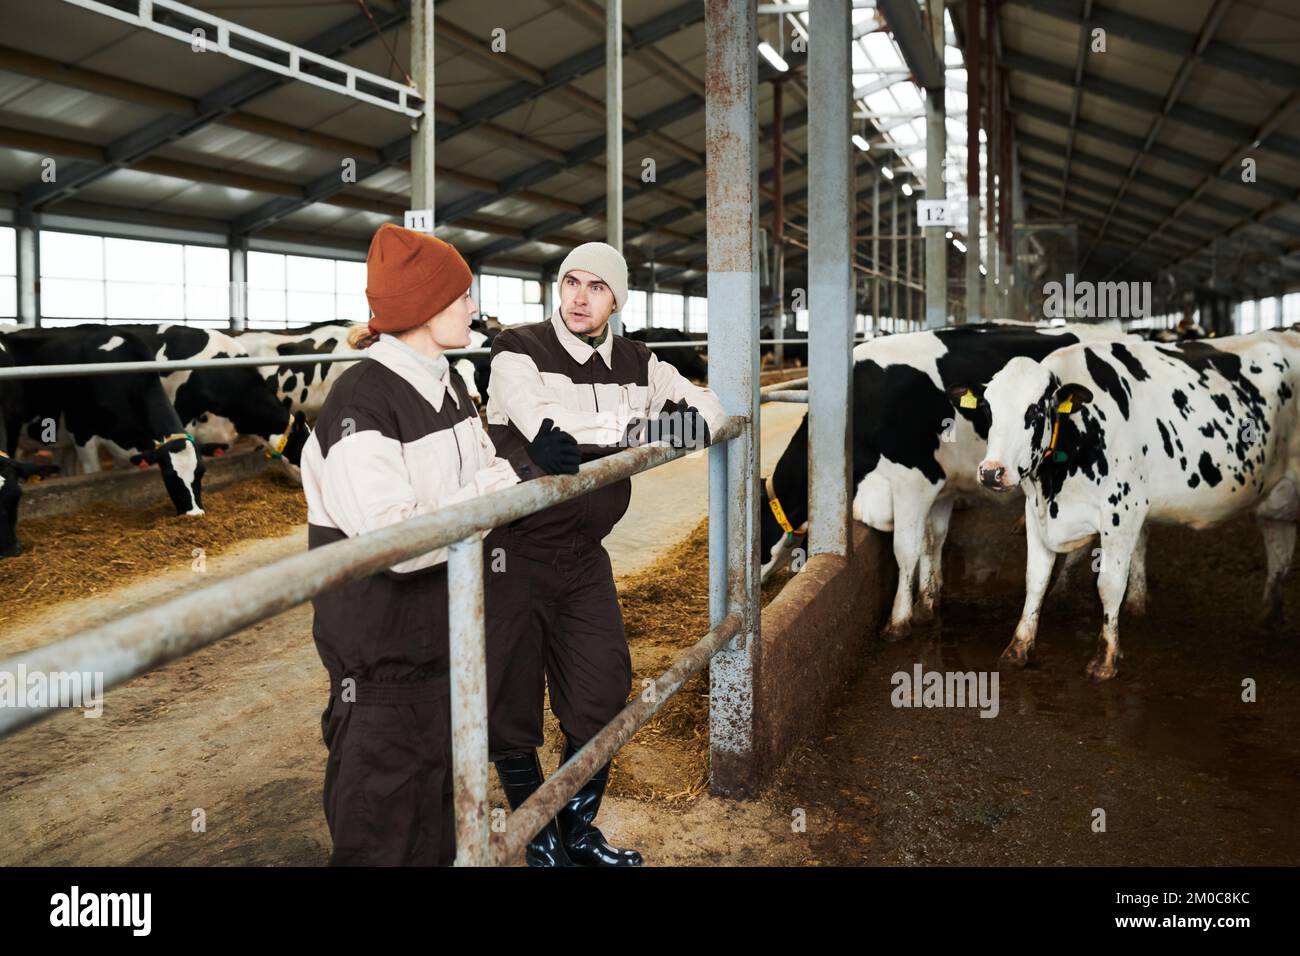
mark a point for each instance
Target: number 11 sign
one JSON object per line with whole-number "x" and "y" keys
{"x": 932, "y": 212}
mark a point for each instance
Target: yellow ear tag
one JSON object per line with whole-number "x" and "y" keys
{"x": 969, "y": 400}
{"x": 1066, "y": 406}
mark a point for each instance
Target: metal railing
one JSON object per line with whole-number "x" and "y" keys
{"x": 134, "y": 644}
{"x": 254, "y": 361}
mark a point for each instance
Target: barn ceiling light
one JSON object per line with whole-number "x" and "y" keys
{"x": 860, "y": 142}
{"x": 961, "y": 246}
{"x": 887, "y": 172}
{"x": 773, "y": 57}
{"x": 907, "y": 189}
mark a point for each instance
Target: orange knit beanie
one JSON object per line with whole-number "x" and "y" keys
{"x": 411, "y": 277}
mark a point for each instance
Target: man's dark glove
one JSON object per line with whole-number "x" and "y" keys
{"x": 554, "y": 451}
{"x": 683, "y": 425}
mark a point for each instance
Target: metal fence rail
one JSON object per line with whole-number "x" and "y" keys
{"x": 254, "y": 361}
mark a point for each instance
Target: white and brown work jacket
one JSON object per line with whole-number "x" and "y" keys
{"x": 398, "y": 437}
{"x": 542, "y": 370}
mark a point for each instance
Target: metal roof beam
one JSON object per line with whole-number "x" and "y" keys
{"x": 1160, "y": 36}
{"x": 904, "y": 18}
{"x": 1209, "y": 27}
{"x": 1201, "y": 120}
{"x": 211, "y": 107}
{"x": 1175, "y": 157}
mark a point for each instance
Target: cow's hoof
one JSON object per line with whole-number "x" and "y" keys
{"x": 896, "y": 631}
{"x": 1016, "y": 656}
{"x": 924, "y": 614}
{"x": 1099, "y": 669}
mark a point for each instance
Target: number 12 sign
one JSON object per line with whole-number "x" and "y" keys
{"x": 932, "y": 212}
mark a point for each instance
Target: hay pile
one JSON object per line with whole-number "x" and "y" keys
{"x": 665, "y": 611}
{"x": 107, "y": 545}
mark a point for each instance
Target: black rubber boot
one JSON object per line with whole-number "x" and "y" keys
{"x": 520, "y": 776}
{"x": 585, "y": 844}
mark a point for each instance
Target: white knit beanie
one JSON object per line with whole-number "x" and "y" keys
{"x": 601, "y": 259}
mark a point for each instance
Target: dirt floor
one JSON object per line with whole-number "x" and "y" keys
{"x": 1185, "y": 772}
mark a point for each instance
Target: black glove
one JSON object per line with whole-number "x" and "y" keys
{"x": 683, "y": 425}
{"x": 554, "y": 451}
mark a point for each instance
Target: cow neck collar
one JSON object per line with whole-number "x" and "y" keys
{"x": 579, "y": 350}
{"x": 429, "y": 376}
{"x": 778, "y": 512}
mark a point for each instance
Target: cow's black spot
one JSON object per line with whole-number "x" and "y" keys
{"x": 291, "y": 383}
{"x": 1209, "y": 471}
{"x": 1164, "y": 437}
{"x": 1108, "y": 380}
{"x": 1130, "y": 362}
{"x": 1181, "y": 403}
{"x": 1193, "y": 481}
{"x": 1114, "y": 519}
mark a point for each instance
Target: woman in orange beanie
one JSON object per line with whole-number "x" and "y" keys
{"x": 399, "y": 437}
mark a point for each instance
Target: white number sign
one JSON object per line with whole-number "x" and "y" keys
{"x": 932, "y": 212}
{"x": 421, "y": 220}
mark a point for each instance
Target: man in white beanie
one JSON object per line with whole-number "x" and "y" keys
{"x": 563, "y": 626}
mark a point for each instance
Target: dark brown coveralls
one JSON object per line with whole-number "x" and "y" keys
{"x": 384, "y": 639}
{"x": 559, "y": 620}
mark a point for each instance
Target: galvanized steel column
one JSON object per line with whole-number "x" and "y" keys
{"x": 991, "y": 310}
{"x": 614, "y": 134}
{"x": 893, "y": 260}
{"x": 469, "y": 714}
{"x": 238, "y": 283}
{"x": 973, "y": 65}
{"x": 936, "y": 144}
{"x": 778, "y": 222}
{"x": 909, "y": 290}
{"x": 422, "y": 139}
{"x": 731, "y": 144}
{"x": 875, "y": 253}
{"x": 830, "y": 274}
{"x": 28, "y": 261}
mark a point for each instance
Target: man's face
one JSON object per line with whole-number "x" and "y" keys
{"x": 586, "y": 302}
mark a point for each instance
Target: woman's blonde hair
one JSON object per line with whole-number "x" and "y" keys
{"x": 360, "y": 337}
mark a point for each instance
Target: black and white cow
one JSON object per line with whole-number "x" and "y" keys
{"x": 689, "y": 361}
{"x": 1106, "y": 437}
{"x": 915, "y": 448}
{"x": 301, "y": 388}
{"x": 12, "y": 471}
{"x": 218, "y": 404}
{"x": 130, "y": 410}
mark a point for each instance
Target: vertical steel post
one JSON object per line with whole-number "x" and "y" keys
{"x": 991, "y": 310}
{"x": 238, "y": 283}
{"x": 973, "y": 64}
{"x": 469, "y": 715}
{"x": 893, "y": 260}
{"x": 28, "y": 237}
{"x": 731, "y": 142}
{"x": 686, "y": 311}
{"x": 1004, "y": 196}
{"x": 875, "y": 252}
{"x": 548, "y": 293}
{"x": 830, "y": 274}
{"x": 936, "y": 145}
{"x": 422, "y": 138}
{"x": 614, "y": 134}
{"x": 778, "y": 222}
{"x": 910, "y": 278}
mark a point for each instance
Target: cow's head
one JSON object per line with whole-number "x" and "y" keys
{"x": 775, "y": 542}
{"x": 1026, "y": 403}
{"x": 288, "y": 445}
{"x": 12, "y": 474}
{"x": 182, "y": 469}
